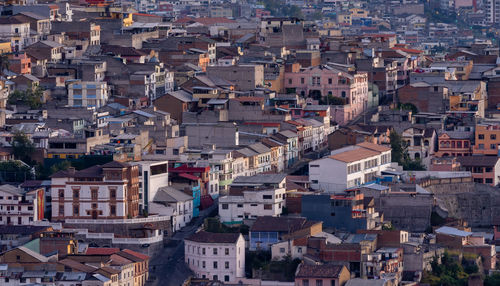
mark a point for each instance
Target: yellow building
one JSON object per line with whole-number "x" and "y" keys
{"x": 358, "y": 13}
{"x": 345, "y": 19}
{"x": 5, "y": 47}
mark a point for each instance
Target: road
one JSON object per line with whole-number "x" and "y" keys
{"x": 168, "y": 268}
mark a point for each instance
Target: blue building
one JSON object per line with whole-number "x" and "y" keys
{"x": 340, "y": 211}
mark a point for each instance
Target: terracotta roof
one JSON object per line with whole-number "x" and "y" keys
{"x": 74, "y": 265}
{"x": 410, "y": 51}
{"x": 101, "y": 251}
{"x": 146, "y": 15}
{"x": 354, "y": 155}
{"x": 318, "y": 271}
{"x": 249, "y": 98}
{"x": 135, "y": 254}
{"x": 210, "y": 237}
{"x": 373, "y": 147}
{"x": 205, "y": 20}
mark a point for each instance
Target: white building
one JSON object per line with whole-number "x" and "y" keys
{"x": 250, "y": 197}
{"x": 87, "y": 93}
{"x": 349, "y": 167}
{"x": 153, "y": 175}
{"x": 18, "y": 207}
{"x": 216, "y": 256}
{"x": 14, "y": 31}
{"x": 174, "y": 203}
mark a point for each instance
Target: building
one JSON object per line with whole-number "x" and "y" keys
{"x": 174, "y": 203}
{"x": 268, "y": 230}
{"x": 485, "y": 169}
{"x": 244, "y": 77}
{"x": 87, "y": 94}
{"x": 331, "y": 275}
{"x": 153, "y": 175}
{"x": 455, "y": 143}
{"x": 253, "y": 196}
{"x": 487, "y": 139}
{"x": 349, "y": 167}
{"x": 346, "y": 212}
{"x": 216, "y": 256}
{"x": 19, "y": 207}
{"x": 109, "y": 191}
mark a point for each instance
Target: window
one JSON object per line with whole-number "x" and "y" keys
{"x": 302, "y": 80}
{"x": 268, "y": 206}
{"x": 289, "y": 81}
{"x": 94, "y": 194}
{"x": 61, "y": 193}
{"x": 489, "y": 181}
{"x": 305, "y": 282}
{"x": 203, "y": 251}
{"x": 282, "y": 250}
{"x": 267, "y": 197}
{"x": 203, "y": 264}
{"x": 493, "y": 146}
{"x": 76, "y": 210}
{"x": 226, "y": 264}
{"x": 225, "y": 206}
{"x": 240, "y": 205}
{"x": 61, "y": 210}
{"x": 215, "y": 251}
{"x": 226, "y": 278}
{"x": 480, "y": 136}
{"x": 313, "y": 166}
{"x": 215, "y": 265}
{"x": 112, "y": 194}
{"x": 112, "y": 210}
{"x": 314, "y": 181}
{"x": 226, "y": 251}
{"x": 319, "y": 282}
{"x": 216, "y": 278}
{"x": 330, "y": 81}
{"x": 480, "y": 146}
{"x": 299, "y": 249}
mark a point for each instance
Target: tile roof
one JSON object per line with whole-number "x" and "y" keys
{"x": 318, "y": 271}
{"x": 374, "y": 147}
{"x": 135, "y": 254}
{"x": 101, "y": 251}
{"x": 211, "y": 237}
{"x": 478, "y": 160}
{"x": 170, "y": 195}
{"x": 280, "y": 224}
{"x": 354, "y": 155}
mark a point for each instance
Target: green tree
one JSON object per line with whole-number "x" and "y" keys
{"x": 332, "y": 100}
{"x": 22, "y": 147}
{"x": 400, "y": 155}
{"x": 492, "y": 280}
{"x": 4, "y": 63}
{"x": 32, "y": 97}
{"x": 15, "y": 171}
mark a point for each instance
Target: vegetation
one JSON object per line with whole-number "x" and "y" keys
{"x": 450, "y": 272}
{"x": 277, "y": 8}
{"x": 22, "y": 147}
{"x": 15, "y": 171}
{"x": 213, "y": 224}
{"x": 332, "y": 100}
{"x": 4, "y": 63}
{"x": 400, "y": 155}
{"x": 409, "y": 106}
{"x": 265, "y": 268}
{"x": 31, "y": 97}
{"x": 492, "y": 280}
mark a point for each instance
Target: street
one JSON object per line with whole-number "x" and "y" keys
{"x": 168, "y": 268}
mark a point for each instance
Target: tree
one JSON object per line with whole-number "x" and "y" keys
{"x": 15, "y": 171}
{"x": 400, "y": 155}
{"x": 22, "y": 147}
{"x": 32, "y": 97}
{"x": 492, "y": 280}
{"x": 332, "y": 100}
{"x": 4, "y": 63}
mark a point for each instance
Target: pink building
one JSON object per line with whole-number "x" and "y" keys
{"x": 318, "y": 82}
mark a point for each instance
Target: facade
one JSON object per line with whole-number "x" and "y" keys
{"x": 487, "y": 139}
{"x": 455, "y": 143}
{"x": 109, "y": 191}
{"x": 18, "y": 207}
{"x": 216, "y": 256}
{"x": 174, "y": 203}
{"x": 353, "y": 166}
{"x": 153, "y": 175}
{"x": 87, "y": 94}
{"x": 485, "y": 169}
{"x": 332, "y": 275}
{"x": 251, "y": 197}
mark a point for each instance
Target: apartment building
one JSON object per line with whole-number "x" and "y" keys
{"x": 87, "y": 94}
{"x": 216, "y": 256}
{"x": 174, "y": 203}
{"x": 18, "y": 207}
{"x": 349, "y": 167}
{"x": 485, "y": 169}
{"x": 110, "y": 191}
{"x": 15, "y": 31}
{"x": 153, "y": 175}
{"x": 253, "y": 196}
{"x": 487, "y": 139}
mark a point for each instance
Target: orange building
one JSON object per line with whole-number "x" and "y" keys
{"x": 19, "y": 63}
{"x": 455, "y": 144}
{"x": 487, "y": 139}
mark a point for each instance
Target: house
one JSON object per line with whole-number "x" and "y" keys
{"x": 244, "y": 77}
{"x": 485, "y": 169}
{"x": 291, "y": 141}
{"x": 113, "y": 193}
{"x": 420, "y": 143}
{"x": 87, "y": 93}
{"x": 349, "y": 167}
{"x": 326, "y": 274}
{"x": 175, "y": 203}
{"x": 455, "y": 143}
{"x": 19, "y": 207}
{"x": 49, "y": 51}
{"x": 253, "y": 196}
{"x": 268, "y": 230}
{"x": 15, "y": 31}
{"x": 216, "y": 256}
{"x": 343, "y": 211}
{"x": 153, "y": 175}
{"x": 141, "y": 265}
{"x": 12, "y": 236}
{"x": 175, "y": 103}
{"x": 487, "y": 139}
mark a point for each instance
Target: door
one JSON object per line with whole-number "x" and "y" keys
{"x": 94, "y": 214}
